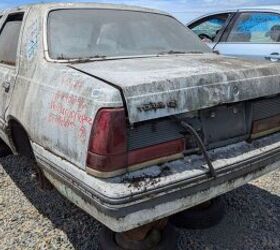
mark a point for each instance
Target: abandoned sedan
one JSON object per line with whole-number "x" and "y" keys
{"x": 129, "y": 115}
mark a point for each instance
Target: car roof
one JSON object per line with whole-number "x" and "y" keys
{"x": 47, "y": 6}
{"x": 257, "y": 7}
{"x": 261, "y": 7}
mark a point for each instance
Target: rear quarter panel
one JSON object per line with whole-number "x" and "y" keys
{"x": 54, "y": 103}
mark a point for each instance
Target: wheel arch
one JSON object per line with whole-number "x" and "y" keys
{"x": 19, "y": 138}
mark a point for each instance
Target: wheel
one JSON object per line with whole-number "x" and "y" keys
{"x": 44, "y": 183}
{"x": 21, "y": 140}
{"x": 4, "y": 149}
{"x": 167, "y": 241}
{"x": 203, "y": 216}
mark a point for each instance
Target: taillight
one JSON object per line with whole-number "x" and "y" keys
{"x": 108, "y": 153}
{"x": 108, "y": 145}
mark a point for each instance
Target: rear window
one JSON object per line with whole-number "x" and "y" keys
{"x": 89, "y": 33}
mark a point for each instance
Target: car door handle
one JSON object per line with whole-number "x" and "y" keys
{"x": 274, "y": 57}
{"x": 6, "y": 86}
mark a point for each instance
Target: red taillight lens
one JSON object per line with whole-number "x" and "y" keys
{"x": 108, "y": 149}
{"x": 108, "y": 146}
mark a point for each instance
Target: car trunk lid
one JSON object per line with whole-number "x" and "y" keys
{"x": 162, "y": 86}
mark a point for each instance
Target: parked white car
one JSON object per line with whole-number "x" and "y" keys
{"x": 128, "y": 114}
{"x": 252, "y": 33}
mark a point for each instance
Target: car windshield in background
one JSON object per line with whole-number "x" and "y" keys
{"x": 91, "y": 33}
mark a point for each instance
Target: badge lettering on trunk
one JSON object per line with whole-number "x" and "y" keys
{"x": 157, "y": 105}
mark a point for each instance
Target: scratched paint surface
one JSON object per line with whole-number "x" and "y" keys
{"x": 70, "y": 110}
{"x": 32, "y": 42}
{"x": 54, "y": 103}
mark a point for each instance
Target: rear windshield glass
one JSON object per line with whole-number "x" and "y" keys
{"x": 80, "y": 33}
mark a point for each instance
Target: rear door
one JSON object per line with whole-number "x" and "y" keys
{"x": 253, "y": 35}
{"x": 210, "y": 28}
{"x": 9, "y": 44}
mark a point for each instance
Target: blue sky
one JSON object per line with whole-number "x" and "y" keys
{"x": 184, "y": 10}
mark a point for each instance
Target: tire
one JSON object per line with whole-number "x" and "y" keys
{"x": 200, "y": 217}
{"x": 4, "y": 150}
{"x": 168, "y": 240}
{"x": 21, "y": 141}
{"x": 107, "y": 239}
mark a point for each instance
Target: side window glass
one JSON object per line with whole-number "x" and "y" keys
{"x": 208, "y": 28}
{"x": 9, "y": 39}
{"x": 256, "y": 28}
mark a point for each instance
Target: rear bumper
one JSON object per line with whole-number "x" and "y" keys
{"x": 136, "y": 199}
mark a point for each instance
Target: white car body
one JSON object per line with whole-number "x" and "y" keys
{"x": 41, "y": 94}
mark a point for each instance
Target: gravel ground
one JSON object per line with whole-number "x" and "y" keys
{"x": 35, "y": 219}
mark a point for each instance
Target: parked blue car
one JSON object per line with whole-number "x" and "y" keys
{"x": 250, "y": 32}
